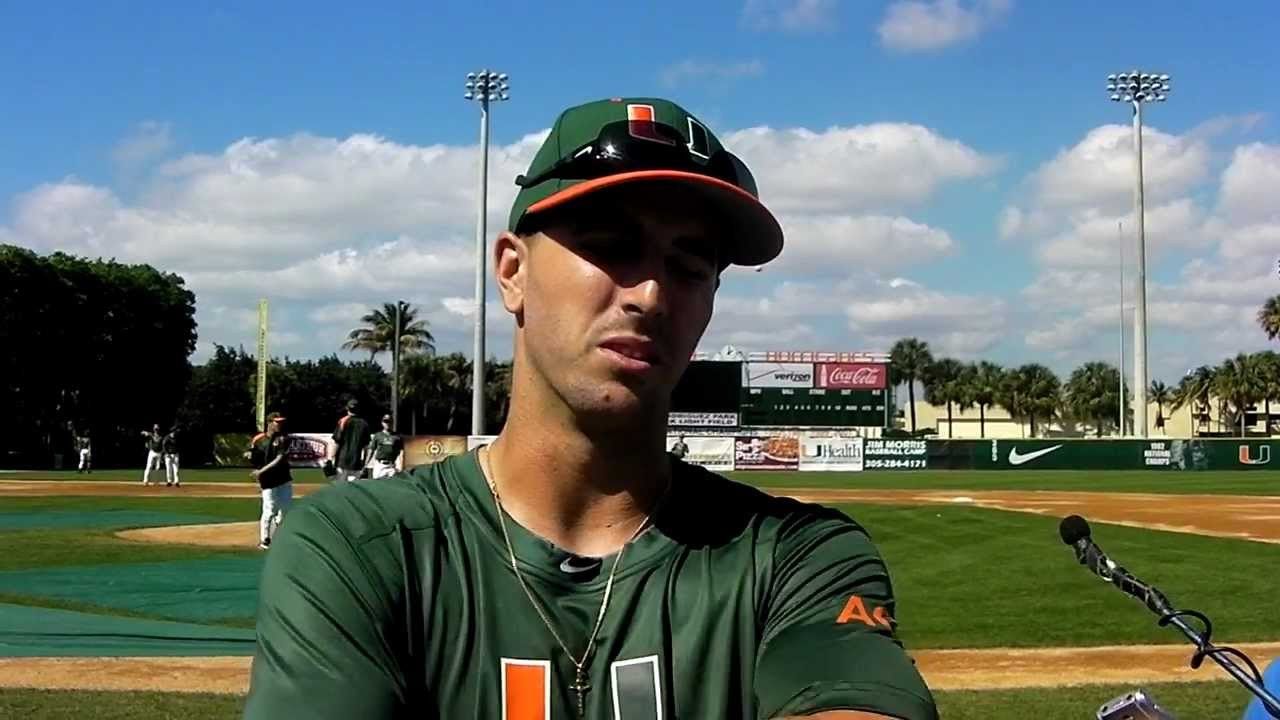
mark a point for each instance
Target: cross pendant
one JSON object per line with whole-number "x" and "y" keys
{"x": 580, "y": 686}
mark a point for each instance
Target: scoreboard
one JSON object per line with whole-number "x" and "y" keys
{"x": 814, "y": 407}
{"x": 790, "y": 389}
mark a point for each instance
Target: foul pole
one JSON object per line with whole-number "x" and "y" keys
{"x": 261, "y": 403}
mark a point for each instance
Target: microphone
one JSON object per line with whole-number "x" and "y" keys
{"x": 1074, "y": 531}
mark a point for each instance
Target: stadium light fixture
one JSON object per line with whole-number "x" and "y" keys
{"x": 483, "y": 87}
{"x": 1138, "y": 88}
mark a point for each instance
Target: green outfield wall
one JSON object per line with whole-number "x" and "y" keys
{"x": 1163, "y": 454}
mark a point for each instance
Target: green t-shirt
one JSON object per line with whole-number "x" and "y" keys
{"x": 155, "y": 442}
{"x": 386, "y": 446}
{"x": 397, "y": 599}
{"x": 170, "y": 444}
{"x": 351, "y": 436}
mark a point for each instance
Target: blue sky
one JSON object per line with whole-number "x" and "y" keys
{"x": 957, "y": 173}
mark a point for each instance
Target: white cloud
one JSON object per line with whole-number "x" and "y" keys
{"x": 1250, "y": 182}
{"x": 696, "y": 70}
{"x": 329, "y": 227}
{"x": 854, "y": 169}
{"x": 923, "y": 25}
{"x": 1096, "y": 240}
{"x": 789, "y": 15}
{"x": 826, "y": 245}
{"x": 1099, "y": 170}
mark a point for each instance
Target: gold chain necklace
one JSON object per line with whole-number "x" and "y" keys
{"x": 580, "y": 685}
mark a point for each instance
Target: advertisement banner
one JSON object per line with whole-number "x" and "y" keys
{"x": 766, "y": 453}
{"x": 777, "y": 375}
{"x": 882, "y": 454}
{"x": 427, "y": 449}
{"x": 838, "y": 452}
{"x": 712, "y": 453}
{"x": 309, "y": 449}
{"x": 852, "y": 376}
{"x": 702, "y": 419}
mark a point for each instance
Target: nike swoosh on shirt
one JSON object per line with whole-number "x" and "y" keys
{"x": 573, "y": 564}
{"x": 1016, "y": 458}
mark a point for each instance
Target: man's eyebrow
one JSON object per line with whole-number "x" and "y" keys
{"x": 699, "y": 246}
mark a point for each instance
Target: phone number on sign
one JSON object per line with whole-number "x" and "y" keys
{"x": 892, "y": 464}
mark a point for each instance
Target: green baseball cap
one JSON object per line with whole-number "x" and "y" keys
{"x": 606, "y": 143}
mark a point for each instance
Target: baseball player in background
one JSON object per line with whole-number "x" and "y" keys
{"x": 350, "y": 444}
{"x": 680, "y": 449}
{"x": 386, "y": 447}
{"x": 85, "y": 447}
{"x": 571, "y": 569}
{"x": 155, "y": 452}
{"x": 170, "y": 447}
{"x": 269, "y": 455}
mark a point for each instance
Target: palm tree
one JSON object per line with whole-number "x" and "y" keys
{"x": 1031, "y": 391}
{"x": 1267, "y": 364}
{"x": 944, "y": 383}
{"x": 455, "y": 370}
{"x": 1194, "y": 389}
{"x": 1093, "y": 392}
{"x": 497, "y": 392}
{"x": 378, "y": 333}
{"x": 1236, "y": 381}
{"x": 909, "y": 359}
{"x": 1269, "y": 317}
{"x": 984, "y": 385}
{"x": 1161, "y": 395}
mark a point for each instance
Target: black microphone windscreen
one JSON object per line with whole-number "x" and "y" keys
{"x": 1072, "y": 529}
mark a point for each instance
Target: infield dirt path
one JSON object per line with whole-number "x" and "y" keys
{"x": 988, "y": 669}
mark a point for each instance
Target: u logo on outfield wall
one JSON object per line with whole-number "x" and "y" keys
{"x": 1246, "y": 455}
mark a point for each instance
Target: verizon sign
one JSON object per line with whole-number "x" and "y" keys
{"x": 777, "y": 375}
{"x": 853, "y": 376}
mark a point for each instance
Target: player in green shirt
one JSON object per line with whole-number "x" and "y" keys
{"x": 385, "y": 446}
{"x": 350, "y": 444}
{"x": 574, "y": 568}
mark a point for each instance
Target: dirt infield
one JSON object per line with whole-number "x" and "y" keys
{"x": 943, "y": 669}
{"x": 1240, "y": 517}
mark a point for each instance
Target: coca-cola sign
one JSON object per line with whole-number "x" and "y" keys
{"x": 856, "y": 376}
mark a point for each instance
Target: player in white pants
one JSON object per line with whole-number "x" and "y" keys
{"x": 86, "y": 453}
{"x": 170, "y": 447}
{"x": 386, "y": 447}
{"x": 155, "y": 452}
{"x": 269, "y": 455}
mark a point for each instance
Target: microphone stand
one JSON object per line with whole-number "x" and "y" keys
{"x": 1160, "y": 605}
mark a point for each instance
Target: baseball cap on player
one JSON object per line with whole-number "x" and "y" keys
{"x": 606, "y": 143}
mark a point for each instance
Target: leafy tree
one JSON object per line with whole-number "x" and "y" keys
{"x": 1161, "y": 395}
{"x": 1093, "y": 392}
{"x": 984, "y": 387}
{"x": 1031, "y": 391}
{"x": 378, "y": 333}
{"x": 1269, "y": 317}
{"x": 946, "y": 383}
{"x": 1267, "y": 364}
{"x": 1237, "y": 381}
{"x": 909, "y": 358}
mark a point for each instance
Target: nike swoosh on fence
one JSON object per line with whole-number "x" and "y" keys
{"x": 1015, "y": 458}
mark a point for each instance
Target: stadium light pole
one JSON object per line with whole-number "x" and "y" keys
{"x": 1138, "y": 88}
{"x": 1120, "y": 244}
{"x": 483, "y": 87}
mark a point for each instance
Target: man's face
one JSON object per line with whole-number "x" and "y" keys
{"x": 613, "y": 296}
{"x": 155, "y": 429}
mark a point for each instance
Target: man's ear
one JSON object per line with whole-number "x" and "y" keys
{"x": 510, "y": 267}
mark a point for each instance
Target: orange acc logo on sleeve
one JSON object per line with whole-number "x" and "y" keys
{"x": 856, "y": 611}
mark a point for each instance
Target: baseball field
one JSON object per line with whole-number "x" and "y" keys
{"x": 119, "y": 601}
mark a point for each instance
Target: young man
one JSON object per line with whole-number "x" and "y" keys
{"x": 170, "y": 447}
{"x": 571, "y": 569}
{"x": 350, "y": 444}
{"x": 385, "y": 446}
{"x": 269, "y": 455}
{"x": 680, "y": 449}
{"x": 155, "y": 451}
{"x": 86, "y": 453}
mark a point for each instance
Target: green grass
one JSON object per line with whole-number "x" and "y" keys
{"x": 134, "y": 475}
{"x": 1202, "y": 701}
{"x": 1150, "y": 481}
{"x": 969, "y": 577}
{"x": 1223, "y": 700}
